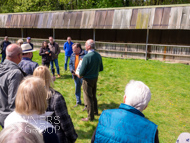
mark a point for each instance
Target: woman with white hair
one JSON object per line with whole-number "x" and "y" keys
{"x": 60, "y": 117}
{"x": 30, "y": 107}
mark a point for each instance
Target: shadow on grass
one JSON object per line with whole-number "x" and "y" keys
{"x": 86, "y": 134}
{"x": 64, "y": 77}
{"x": 105, "y": 106}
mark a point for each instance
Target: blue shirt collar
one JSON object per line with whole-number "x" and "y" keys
{"x": 26, "y": 58}
{"x": 91, "y": 50}
{"x": 130, "y": 109}
{"x": 70, "y": 43}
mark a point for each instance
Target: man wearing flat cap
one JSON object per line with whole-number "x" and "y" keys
{"x": 28, "y": 40}
{"x": 27, "y": 65}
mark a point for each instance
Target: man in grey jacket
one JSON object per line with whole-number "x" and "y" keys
{"x": 55, "y": 50}
{"x": 11, "y": 76}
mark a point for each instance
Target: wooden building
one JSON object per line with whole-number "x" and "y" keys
{"x": 154, "y": 32}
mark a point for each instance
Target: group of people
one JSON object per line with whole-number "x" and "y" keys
{"x": 29, "y": 102}
{"x": 24, "y": 99}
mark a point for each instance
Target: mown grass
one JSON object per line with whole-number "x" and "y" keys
{"x": 169, "y": 85}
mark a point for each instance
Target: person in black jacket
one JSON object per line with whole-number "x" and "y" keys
{"x": 45, "y": 53}
{"x": 3, "y": 46}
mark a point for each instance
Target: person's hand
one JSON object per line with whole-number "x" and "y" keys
{"x": 46, "y": 52}
{"x": 78, "y": 76}
{"x": 49, "y": 54}
{"x": 73, "y": 72}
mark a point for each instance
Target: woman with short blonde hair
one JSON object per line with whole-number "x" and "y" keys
{"x": 30, "y": 107}
{"x": 28, "y": 99}
{"x": 56, "y": 104}
{"x": 20, "y": 133}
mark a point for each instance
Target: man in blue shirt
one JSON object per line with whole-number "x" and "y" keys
{"x": 67, "y": 47}
{"x": 3, "y": 46}
{"x": 27, "y": 65}
{"x": 77, "y": 55}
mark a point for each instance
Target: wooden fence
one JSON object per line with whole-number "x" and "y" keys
{"x": 171, "y": 53}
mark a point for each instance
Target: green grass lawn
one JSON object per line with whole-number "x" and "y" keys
{"x": 169, "y": 85}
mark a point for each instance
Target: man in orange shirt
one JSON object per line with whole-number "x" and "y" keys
{"x": 77, "y": 55}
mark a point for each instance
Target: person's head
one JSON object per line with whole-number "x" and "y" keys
{"x": 44, "y": 44}
{"x": 68, "y": 39}
{"x": 76, "y": 48}
{"x": 6, "y": 38}
{"x": 31, "y": 96}
{"x": 20, "y": 132}
{"x": 183, "y": 138}
{"x": 44, "y": 73}
{"x": 137, "y": 94}
{"x": 51, "y": 39}
{"x": 14, "y": 53}
{"x": 20, "y": 42}
{"x": 28, "y": 39}
{"x": 89, "y": 44}
{"x": 27, "y": 50}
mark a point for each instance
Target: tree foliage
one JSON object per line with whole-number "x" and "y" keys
{"x": 11, "y": 6}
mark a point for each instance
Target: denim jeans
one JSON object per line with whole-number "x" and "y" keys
{"x": 66, "y": 60}
{"x": 3, "y": 57}
{"x": 52, "y": 67}
{"x": 78, "y": 83}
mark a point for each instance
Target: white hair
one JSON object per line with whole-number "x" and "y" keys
{"x": 91, "y": 43}
{"x": 20, "y": 133}
{"x": 137, "y": 95}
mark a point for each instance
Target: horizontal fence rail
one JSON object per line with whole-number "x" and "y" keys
{"x": 172, "y": 53}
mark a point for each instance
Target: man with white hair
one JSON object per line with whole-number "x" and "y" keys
{"x": 11, "y": 76}
{"x": 90, "y": 68}
{"x": 128, "y": 124}
{"x": 27, "y": 65}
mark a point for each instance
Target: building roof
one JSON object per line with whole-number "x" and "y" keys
{"x": 150, "y": 17}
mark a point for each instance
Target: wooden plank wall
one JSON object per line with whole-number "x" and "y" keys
{"x": 177, "y": 17}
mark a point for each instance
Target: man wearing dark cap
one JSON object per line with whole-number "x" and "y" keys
{"x": 27, "y": 65}
{"x": 3, "y": 47}
{"x": 28, "y": 40}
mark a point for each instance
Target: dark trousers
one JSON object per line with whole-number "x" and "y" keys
{"x": 45, "y": 64}
{"x": 3, "y": 57}
{"x": 89, "y": 91}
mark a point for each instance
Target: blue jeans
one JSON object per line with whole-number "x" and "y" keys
{"x": 78, "y": 83}
{"x": 66, "y": 60}
{"x": 3, "y": 57}
{"x": 52, "y": 67}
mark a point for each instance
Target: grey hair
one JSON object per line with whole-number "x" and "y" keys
{"x": 14, "y": 52}
{"x": 20, "y": 41}
{"x": 91, "y": 43}
{"x": 137, "y": 95}
{"x": 20, "y": 132}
